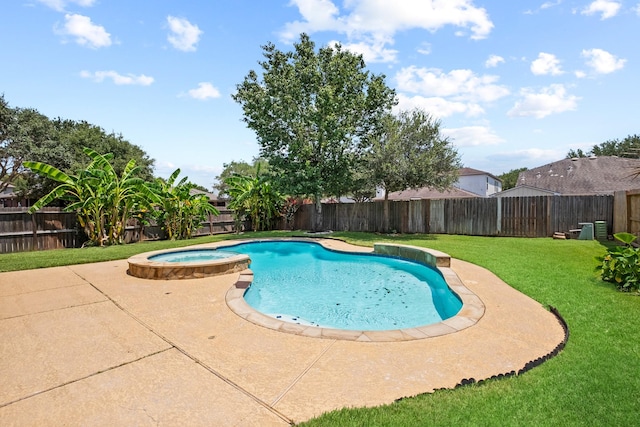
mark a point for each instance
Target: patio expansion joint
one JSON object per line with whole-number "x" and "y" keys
{"x": 43, "y": 290}
{"x": 188, "y": 355}
{"x": 55, "y": 309}
{"x": 303, "y": 373}
{"x": 84, "y": 377}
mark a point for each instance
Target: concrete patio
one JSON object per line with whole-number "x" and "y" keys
{"x": 90, "y": 345}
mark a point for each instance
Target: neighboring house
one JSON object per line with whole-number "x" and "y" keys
{"x": 478, "y": 182}
{"x": 8, "y": 198}
{"x": 428, "y": 193}
{"x": 578, "y": 176}
{"x": 471, "y": 183}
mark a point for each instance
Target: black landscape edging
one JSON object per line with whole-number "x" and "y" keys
{"x": 529, "y": 365}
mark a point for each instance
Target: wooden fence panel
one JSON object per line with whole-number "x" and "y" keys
{"x": 47, "y": 229}
{"x": 633, "y": 213}
{"x": 525, "y": 216}
{"x": 50, "y": 228}
{"x": 471, "y": 216}
{"x": 568, "y": 211}
{"x": 437, "y": 219}
{"x": 531, "y": 216}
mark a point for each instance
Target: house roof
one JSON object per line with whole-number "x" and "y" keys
{"x": 471, "y": 172}
{"x": 429, "y": 193}
{"x": 517, "y": 190}
{"x": 584, "y": 175}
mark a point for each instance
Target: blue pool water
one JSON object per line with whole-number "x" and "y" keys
{"x": 193, "y": 255}
{"x": 305, "y": 283}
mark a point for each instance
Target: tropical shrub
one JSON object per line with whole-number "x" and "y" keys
{"x": 102, "y": 200}
{"x": 621, "y": 264}
{"x": 180, "y": 212}
{"x": 255, "y": 198}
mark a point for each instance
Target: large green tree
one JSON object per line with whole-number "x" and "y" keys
{"x": 411, "y": 153}
{"x": 27, "y": 135}
{"x": 314, "y": 114}
{"x": 627, "y": 147}
{"x": 510, "y": 179}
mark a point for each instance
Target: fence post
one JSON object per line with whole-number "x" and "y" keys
{"x": 620, "y": 212}
{"x": 499, "y": 215}
{"x": 34, "y": 227}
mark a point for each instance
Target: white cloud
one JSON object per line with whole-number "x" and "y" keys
{"x": 60, "y": 5}
{"x": 606, "y": 8}
{"x": 460, "y": 84}
{"x": 549, "y": 4}
{"x": 425, "y": 48}
{"x": 204, "y": 91}
{"x": 493, "y": 61}
{"x": 636, "y": 9}
{"x": 118, "y": 79}
{"x": 437, "y": 106}
{"x": 602, "y": 62}
{"x": 183, "y": 34}
{"x": 472, "y": 136}
{"x": 366, "y": 20}
{"x": 546, "y": 64}
{"x": 85, "y": 32}
{"x": 371, "y": 50}
{"x": 550, "y": 100}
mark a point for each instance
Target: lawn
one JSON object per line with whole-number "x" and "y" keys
{"x": 594, "y": 381}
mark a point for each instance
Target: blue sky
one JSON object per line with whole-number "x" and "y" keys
{"x": 515, "y": 84}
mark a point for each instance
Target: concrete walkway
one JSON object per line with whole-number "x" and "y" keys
{"x": 91, "y": 345}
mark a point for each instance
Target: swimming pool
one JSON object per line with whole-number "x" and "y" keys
{"x": 192, "y": 255}
{"x": 305, "y": 283}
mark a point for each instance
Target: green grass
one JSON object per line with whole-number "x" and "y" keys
{"x": 594, "y": 381}
{"x": 42, "y": 259}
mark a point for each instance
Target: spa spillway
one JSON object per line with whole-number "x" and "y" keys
{"x": 186, "y": 264}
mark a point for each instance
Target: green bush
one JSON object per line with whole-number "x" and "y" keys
{"x": 621, "y": 264}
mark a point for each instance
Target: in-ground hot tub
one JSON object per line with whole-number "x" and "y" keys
{"x": 186, "y": 263}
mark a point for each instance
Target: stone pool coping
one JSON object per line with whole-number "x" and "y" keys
{"x": 471, "y": 312}
{"x": 145, "y": 268}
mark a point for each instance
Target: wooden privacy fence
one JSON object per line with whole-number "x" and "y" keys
{"x": 46, "y": 229}
{"x": 50, "y": 228}
{"x": 538, "y": 216}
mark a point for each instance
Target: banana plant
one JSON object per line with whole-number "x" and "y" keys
{"x": 256, "y": 198}
{"x": 179, "y": 211}
{"x": 102, "y": 201}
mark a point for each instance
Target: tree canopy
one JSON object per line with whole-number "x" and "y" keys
{"x": 411, "y": 153}
{"x": 510, "y": 179}
{"x": 314, "y": 114}
{"x": 27, "y": 135}
{"x": 628, "y": 147}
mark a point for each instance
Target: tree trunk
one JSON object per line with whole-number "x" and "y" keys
{"x": 318, "y": 222}
{"x": 385, "y": 214}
